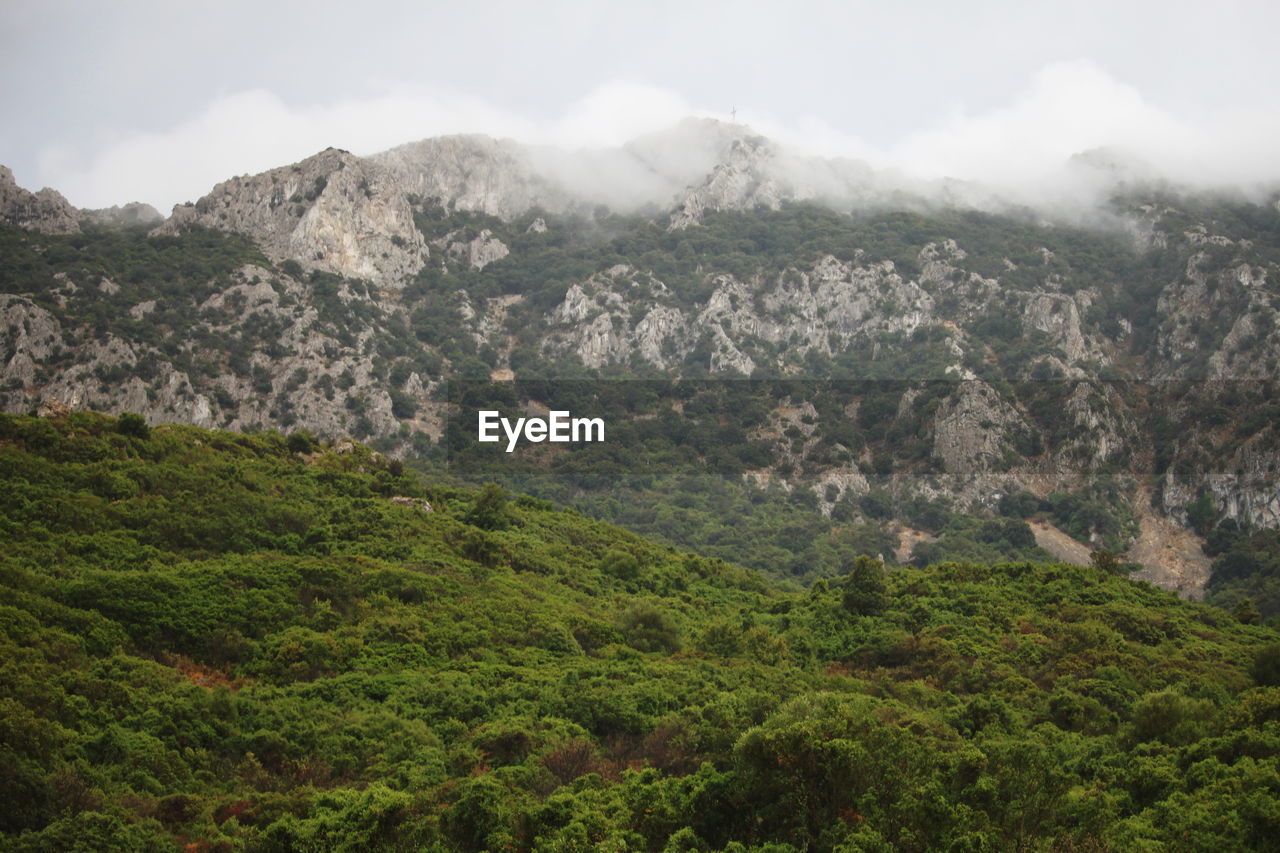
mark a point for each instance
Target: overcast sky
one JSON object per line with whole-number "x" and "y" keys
{"x": 157, "y": 101}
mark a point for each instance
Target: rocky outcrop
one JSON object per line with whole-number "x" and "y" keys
{"x": 1100, "y": 430}
{"x": 696, "y": 166}
{"x": 133, "y": 213}
{"x": 475, "y": 173}
{"x": 624, "y": 316}
{"x": 840, "y": 301}
{"x": 1244, "y": 486}
{"x": 307, "y": 376}
{"x": 477, "y": 252}
{"x": 1247, "y": 488}
{"x": 843, "y": 483}
{"x": 45, "y": 364}
{"x": 973, "y": 430}
{"x": 741, "y": 182}
{"x": 1058, "y": 316}
{"x": 334, "y": 212}
{"x": 31, "y": 336}
{"x": 1219, "y": 320}
{"x": 46, "y": 211}
{"x": 594, "y": 317}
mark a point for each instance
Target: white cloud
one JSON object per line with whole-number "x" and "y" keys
{"x": 1072, "y": 107}
{"x": 1065, "y": 109}
{"x": 614, "y": 113}
{"x": 1069, "y": 107}
{"x": 249, "y": 132}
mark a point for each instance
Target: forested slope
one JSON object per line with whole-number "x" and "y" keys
{"x": 258, "y": 642}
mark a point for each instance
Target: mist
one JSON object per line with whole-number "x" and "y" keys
{"x": 1061, "y": 142}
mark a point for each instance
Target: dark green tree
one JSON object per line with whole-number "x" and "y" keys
{"x": 1266, "y": 666}
{"x": 301, "y": 441}
{"x": 649, "y": 629}
{"x": 489, "y": 512}
{"x": 864, "y": 587}
{"x": 1201, "y": 513}
{"x": 133, "y": 425}
{"x": 621, "y": 565}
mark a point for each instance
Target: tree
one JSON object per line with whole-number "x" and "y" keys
{"x": 621, "y": 565}
{"x": 133, "y": 425}
{"x": 864, "y": 587}
{"x": 1201, "y": 513}
{"x": 1266, "y": 666}
{"x": 648, "y": 629}
{"x": 489, "y": 512}
{"x": 1246, "y": 613}
{"x": 1105, "y": 562}
{"x": 301, "y": 441}
{"x": 403, "y": 406}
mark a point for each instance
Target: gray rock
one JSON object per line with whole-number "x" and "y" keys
{"x": 478, "y": 252}
{"x": 473, "y": 172}
{"x": 133, "y": 213}
{"x": 45, "y": 211}
{"x": 334, "y": 212}
{"x": 972, "y": 429}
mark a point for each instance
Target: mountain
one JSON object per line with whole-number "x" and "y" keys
{"x": 333, "y": 211}
{"x": 48, "y": 212}
{"x": 45, "y": 211}
{"x": 222, "y": 641}
{"x": 133, "y": 213}
{"x": 853, "y": 356}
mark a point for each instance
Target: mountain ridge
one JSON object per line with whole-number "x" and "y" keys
{"x": 342, "y": 295}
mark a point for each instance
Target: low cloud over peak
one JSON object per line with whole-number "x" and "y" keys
{"x": 1021, "y": 149}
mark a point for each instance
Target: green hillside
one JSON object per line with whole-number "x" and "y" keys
{"x": 258, "y": 642}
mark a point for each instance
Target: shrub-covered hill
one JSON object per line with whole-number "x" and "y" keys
{"x": 256, "y": 642}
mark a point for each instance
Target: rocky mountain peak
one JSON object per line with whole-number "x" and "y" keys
{"x": 133, "y": 213}
{"x": 333, "y": 211}
{"x": 746, "y": 178}
{"x": 474, "y": 173}
{"x": 45, "y": 211}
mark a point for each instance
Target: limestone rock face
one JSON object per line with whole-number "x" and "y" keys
{"x": 626, "y": 316}
{"x": 302, "y": 377}
{"x": 478, "y": 252}
{"x": 34, "y": 336}
{"x": 45, "y": 211}
{"x": 506, "y": 179}
{"x": 334, "y": 212}
{"x": 30, "y": 335}
{"x": 1243, "y": 479}
{"x": 972, "y": 429}
{"x": 598, "y": 332}
{"x": 133, "y": 213}
{"x": 699, "y": 165}
{"x": 741, "y": 182}
{"x": 472, "y": 172}
{"x": 1248, "y": 487}
{"x": 1244, "y": 488}
{"x": 1101, "y": 431}
{"x": 844, "y": 300}
{"x": 1059, "y": 317}
{"x": 1219, "y": 322}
